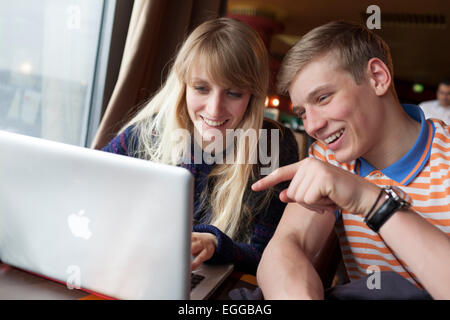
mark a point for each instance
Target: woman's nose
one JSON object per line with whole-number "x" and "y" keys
{"x": 215, "y": 103}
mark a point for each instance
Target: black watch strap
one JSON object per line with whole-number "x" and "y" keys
{"x": 387, "y": 209}
{"x": 395, "y": 199}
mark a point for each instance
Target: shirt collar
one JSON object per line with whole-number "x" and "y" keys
{"x": 409, "y": 166}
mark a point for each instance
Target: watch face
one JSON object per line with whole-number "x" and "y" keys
{"x": 401, "y": 195}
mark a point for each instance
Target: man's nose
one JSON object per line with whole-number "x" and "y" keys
{"x": 314, "y": 122}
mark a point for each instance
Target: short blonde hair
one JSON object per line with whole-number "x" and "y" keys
{"x": 353, "y": 45}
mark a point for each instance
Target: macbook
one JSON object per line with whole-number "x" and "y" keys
{"x": 105, "y": 223}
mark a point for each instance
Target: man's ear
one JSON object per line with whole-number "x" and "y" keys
{"x": 379, "y": 76}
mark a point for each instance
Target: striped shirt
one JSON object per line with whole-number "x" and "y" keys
{"x": 423, "y": 173}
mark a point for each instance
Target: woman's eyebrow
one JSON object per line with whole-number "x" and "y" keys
{"x": 198, "y": 80}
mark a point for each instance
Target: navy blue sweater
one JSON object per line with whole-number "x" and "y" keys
{"x": 246, "y": 254}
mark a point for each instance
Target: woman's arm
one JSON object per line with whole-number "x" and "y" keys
{"x": 120, "y": 144}
{"x": 246, "y": 256}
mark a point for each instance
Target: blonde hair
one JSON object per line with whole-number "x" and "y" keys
{"x": 353, "y": 45}
{"x": 234, "y": 56}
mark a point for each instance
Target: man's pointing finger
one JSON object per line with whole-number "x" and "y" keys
{"x": 279, "y": 175}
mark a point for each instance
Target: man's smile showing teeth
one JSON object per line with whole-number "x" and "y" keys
{"x": 212, "y": 123}
{"x": 334, "y": 137}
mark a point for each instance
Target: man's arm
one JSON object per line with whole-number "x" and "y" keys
{"x": 422, "y": 246}
{"x": 285, "y": 270}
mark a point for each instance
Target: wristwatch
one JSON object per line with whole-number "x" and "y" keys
{"x": 395, "y": 199}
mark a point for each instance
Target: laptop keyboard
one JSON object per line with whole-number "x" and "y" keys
{"x": 195, "y": 279}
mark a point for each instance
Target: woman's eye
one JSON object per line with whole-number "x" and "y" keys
{"x": 234, "y": 94}
{"x": 201, "y": 89}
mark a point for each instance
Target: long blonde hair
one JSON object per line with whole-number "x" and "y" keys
{"x": 234, "y": 56}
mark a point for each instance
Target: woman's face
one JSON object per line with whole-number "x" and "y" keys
{"x": 212, "y": 108}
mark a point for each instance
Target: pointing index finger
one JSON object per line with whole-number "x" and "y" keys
{"x": 279, "y": 175}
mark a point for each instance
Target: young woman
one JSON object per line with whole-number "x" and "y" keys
{"x": 217, "y": 85}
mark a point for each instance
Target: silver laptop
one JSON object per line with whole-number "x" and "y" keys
{"x": 105, "y": 223}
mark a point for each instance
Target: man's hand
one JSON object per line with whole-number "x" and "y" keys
{"x": 202, "y": 248}
{"x": 322, "y": 187}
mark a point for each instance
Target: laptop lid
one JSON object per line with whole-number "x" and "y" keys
{"x": 111, "y": 224}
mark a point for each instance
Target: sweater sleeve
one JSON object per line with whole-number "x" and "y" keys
{"x": 246, "y": 256}
{"x": 121, "y": 143}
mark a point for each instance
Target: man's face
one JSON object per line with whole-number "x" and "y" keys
{"x": 336, "y": 110}
{"x": 443, "y": 95}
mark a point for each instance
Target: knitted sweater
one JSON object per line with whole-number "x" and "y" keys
{"x": 244, "y": 255}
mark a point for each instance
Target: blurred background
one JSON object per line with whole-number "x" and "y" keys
{"x": 61, "y": 61}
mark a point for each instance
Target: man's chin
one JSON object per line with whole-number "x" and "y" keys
{"x": 344, "y": 157}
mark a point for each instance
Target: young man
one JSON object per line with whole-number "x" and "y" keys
{"x": 340, "y": 79}
{"x": 439, "y": 108}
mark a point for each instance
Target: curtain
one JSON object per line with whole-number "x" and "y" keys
{"x": 157, "y": 27}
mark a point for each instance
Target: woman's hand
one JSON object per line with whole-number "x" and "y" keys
{"x": 203, "y": 246}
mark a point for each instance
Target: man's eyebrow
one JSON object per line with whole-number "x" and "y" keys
{"x": 313, "y": 93}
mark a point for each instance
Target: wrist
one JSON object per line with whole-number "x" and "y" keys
{"x": 213, "y": 240}
{"x": 376, "y": 205}
{"x": 392, "y": 199}
{"x": 372, "y": 199}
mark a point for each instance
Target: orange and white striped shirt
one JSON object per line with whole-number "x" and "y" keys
{"x": 423, "y": 173}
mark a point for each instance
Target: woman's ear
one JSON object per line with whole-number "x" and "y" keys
{"x": 379, "y": 76}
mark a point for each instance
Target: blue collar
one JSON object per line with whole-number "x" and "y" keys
{"x": 409, "y": 166}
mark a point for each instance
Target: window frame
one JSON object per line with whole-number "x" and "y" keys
{"x": 114, "y": 26}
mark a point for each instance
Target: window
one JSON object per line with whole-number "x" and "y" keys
{"x": 49, "y": 53}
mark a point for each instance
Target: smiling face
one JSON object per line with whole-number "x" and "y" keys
{"x": 212, "y": 107}
{"x": 336, "y": 110}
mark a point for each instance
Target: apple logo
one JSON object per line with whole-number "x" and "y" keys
{"x": 79, "y": 225}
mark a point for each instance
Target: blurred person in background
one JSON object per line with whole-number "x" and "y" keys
{"x": 439, "y": 108}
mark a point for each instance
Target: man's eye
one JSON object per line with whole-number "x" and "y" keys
{"x": 302, "y": 114}
{"x": 323, "y": 97}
